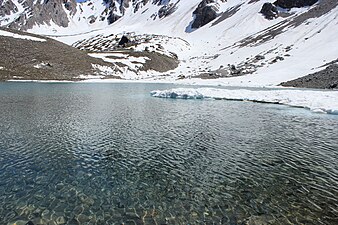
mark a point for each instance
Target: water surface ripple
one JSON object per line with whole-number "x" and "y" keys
{"x": 111, "y": 154}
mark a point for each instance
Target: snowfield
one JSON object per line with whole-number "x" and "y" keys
{"x": 316, "y": 101}
{"x": 289, "y": 53}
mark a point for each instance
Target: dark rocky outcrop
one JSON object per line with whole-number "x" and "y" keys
{"x": 7, "y": 7}
{"x": 124, "y": 40}
{"x": 204, "y": 14}
{"x": 37, "y": 13}
{"x": 167, "y": 10}
{"x": 327, "y": 78}
{"x": 112, "y": 18}
{"x": 287, "y": 4}
{"x": 269, "y": 11}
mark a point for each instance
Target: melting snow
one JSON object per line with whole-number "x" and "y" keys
{"x": 317, "y": 101}
{"x": 25, "y": 37}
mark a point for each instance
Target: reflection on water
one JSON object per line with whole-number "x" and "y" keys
{"x": 111, "y": 154}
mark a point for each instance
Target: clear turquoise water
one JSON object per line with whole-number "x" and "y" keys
{"x": 111, "y": 154}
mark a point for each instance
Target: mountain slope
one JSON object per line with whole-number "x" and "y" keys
{"x": 231, "y": 40}
{"x": 31, "y": 57}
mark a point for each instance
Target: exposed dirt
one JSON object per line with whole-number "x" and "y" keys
{"x": 49, "y": 60}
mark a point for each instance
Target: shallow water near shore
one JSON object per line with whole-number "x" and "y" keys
{"x": 111, "y": 154}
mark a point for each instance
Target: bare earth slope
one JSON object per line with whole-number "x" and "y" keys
{"x": 43, "y": 60}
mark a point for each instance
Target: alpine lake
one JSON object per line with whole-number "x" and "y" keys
{"x": 77, "y": 153}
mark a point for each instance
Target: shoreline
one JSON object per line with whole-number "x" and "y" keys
{"x": 189, "y": 82}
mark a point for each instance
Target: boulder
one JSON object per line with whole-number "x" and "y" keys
{"x": 269, "y": 11}
{"x": 124, "y": 40}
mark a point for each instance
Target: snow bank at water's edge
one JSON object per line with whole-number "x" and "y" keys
{"x": 317, "y": 101}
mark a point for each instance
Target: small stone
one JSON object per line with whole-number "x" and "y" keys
{"x": 82, "y": 218}
{"x": 18, "y": 222}
{"x": 60, "y": 220}
{"x": 194, "y": 214}
{"x": 46, "y": 214}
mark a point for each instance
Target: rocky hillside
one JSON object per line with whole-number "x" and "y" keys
{"x": 32, "y": 57}
{"x": 25, "y": 14}
{"x": 239, "y": 42}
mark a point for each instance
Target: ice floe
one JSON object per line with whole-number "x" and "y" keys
{"x": 316, "y": 101}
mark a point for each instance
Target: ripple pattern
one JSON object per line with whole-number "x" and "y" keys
{"x": 111, "y": 154}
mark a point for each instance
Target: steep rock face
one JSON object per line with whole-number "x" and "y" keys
{"x": 117, "y": 8}
{"x": 167, "y": 10}
{"x": 204, "y": 13}
{"x": 6, "y": 7}
{"x": 32, "y": 13}
{"x": 24, "y": 14}
{"x": 287, "y": 4}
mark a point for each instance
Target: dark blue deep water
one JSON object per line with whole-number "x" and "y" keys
{"x": 111, "y": 154}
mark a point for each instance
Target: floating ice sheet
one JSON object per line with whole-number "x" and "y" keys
{"x": 317, "y": 101}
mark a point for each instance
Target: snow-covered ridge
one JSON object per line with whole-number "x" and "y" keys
{"x": 25, "y": 37}
{"x": 238, "y": 46}
{"x": 316, "y": 101}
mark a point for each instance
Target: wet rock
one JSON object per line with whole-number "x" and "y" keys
{"x": 18, "y": 222}
{"x": 78, "y": 210}
{"x": 46, "y": 214}
{"x": 83, "y": 218}
{"x": 86, "y": 200}
{"x": 60, "y": 220}
{"x": 269, "y": 11}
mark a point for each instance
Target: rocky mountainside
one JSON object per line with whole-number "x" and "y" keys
{"x": 242, "y": 42}
{"x": 25, "y": 14}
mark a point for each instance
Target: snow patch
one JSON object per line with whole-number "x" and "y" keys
{"x": 25, "y": 37}
{"x": 316, "y": 101}
{"x": 41, "y": 65}
{"x": 105, "y": 70}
